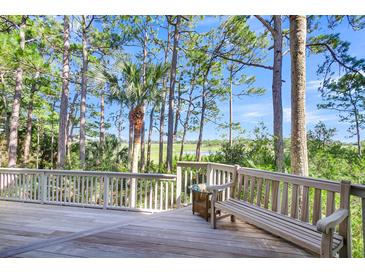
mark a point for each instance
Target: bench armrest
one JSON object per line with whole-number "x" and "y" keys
{"x": 331, "y": 221}
{"x": 219, "y": 187}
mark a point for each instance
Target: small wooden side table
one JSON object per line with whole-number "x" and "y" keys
{"x": 201, "y": 203}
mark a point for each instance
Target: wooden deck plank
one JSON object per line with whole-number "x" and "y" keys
{"x": 32, "y": 230}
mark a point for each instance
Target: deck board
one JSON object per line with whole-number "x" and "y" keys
{"x": 33, "y": 230}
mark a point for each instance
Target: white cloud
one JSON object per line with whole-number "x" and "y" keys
{"x": 313, "y": 84}
{"x": 312, "y": 117}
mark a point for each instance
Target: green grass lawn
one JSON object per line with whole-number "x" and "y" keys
{"x": 188, "y": 149}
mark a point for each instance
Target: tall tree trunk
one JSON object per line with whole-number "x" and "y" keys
{"x": 101, "y": 130}
{"x": 144, "y": 68}
{"x": 358, "y": 137}
{"x": 137, "y": 116}
{"x": 170, "y": 134}
{"x": 70, "y": 127}
{"x": 28, "y": 132}
{"x": 143, "y": 148}
{"x": 202, "y": 122}
{"x": 186, "y": 122}
{"x": 230, "y": 104}
{"x": 38, "y": 145}
{"x": 130, "y": 139}
{"x": 4, "y": 114}
{"x": 162, "y": 110}
{"x": 178, "y": 109}
{"x": 276, "y": 95}
{"x": 14, "y": 120}
{"x": 62, "y": 133}
{"x": 149, "y": 142}
{"x": 299, "y": 157}
{"x": 102, "y": 124}
{"x": 83, "y": 94}
{"x": 52, "y": 134}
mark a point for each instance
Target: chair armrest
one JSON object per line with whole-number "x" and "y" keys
{"x": 331, "y": 221}
{"x": 219, "y": 187}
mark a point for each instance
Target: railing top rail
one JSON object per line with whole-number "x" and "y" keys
{"x": 92, "y": 173}
{"x": 358, "y": 190}
{"x": 204, "y": 164}
{"x": 192, "y": 164}
{"x": 290, "y": 178}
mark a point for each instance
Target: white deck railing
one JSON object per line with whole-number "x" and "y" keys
{"x": 112, "y": 190}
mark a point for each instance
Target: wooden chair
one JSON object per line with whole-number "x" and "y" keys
{"x": 280, "y": 204}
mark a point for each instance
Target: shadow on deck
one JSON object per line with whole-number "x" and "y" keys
{"x": 33, "y": 230}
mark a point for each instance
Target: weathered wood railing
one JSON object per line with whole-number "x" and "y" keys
{"x": 189, "y": 173}
{"x": 158, "y": 192}
{"x": 311, "y": 201}
{"x": 112, "y": 190}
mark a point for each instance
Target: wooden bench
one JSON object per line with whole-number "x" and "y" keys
{"x": 290, "y": 207}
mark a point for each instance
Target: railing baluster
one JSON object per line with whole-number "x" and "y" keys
{"x": 151, "y": 194}
{"x": 167, "y": 195}
{"x": 156, "y": 194}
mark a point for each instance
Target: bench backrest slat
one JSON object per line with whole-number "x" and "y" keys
{"x": 317, "y": 206}
{"x": 330, "y": 206}
{"x": 284, "y": 199}
{"x": 290, "y": 195}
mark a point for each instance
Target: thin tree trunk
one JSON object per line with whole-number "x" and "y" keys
{"x": 230, "y": 104}
{"x": 276, "y": 95}
{"x": 102, "y": 124}
{"x": 299, "y": 157}
{"x": 70, "y": 127}
{"x": 62, "y": 133}
{"x": 149, "y": 142}
{"x": 83, "y": 94}
{"x": 38, "y": 145}
{"x": 170, "y": 134}
{"x": 28, "y": 132}
{"x": 163, "y": 103}
{"x": 162, "y": 128}
{"x": 186, "y": 123}
{"x": 130, "y": 139}
{"x": 178, "y": 109}
{"x": 358, "y": 137}
{"x": 144, "y": 68}
{"x": 14, "y": 121}
{"x": 52, "y": 134}
{"x": 202, "y": 122}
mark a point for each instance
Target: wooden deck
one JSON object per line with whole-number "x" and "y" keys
{"x": 34, "y": 230}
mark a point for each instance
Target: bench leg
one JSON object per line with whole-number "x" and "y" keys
{"x": 233, "y": 218}
{"x": 213, "y": 219}
{"x": 326, "y": 245}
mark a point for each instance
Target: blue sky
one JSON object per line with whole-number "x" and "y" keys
{"x": 251, "y": 110}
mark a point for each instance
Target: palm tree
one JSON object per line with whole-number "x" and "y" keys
{"x": 136, "y": 93}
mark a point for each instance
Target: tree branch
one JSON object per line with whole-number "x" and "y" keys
{"x": 266, "y": 24}
{"x": 243, "y": 63}
{"x": 334, "y": 56}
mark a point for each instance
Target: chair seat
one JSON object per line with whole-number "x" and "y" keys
{"x": 292, "y": 230}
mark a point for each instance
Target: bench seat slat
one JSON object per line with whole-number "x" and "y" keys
{"x": 278, "y": 229}
{"x": 294, "y": 231}
{"x": 306, "y": 229}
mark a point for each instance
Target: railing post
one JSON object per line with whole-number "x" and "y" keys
{"x": 106, "y": 192}
{"x": 210, "y": 174}
{"x": 178, "y": 186}
{"x": 43, "y": 187}
{"x": 363, "y": 223}
{"x": 133, "y": 192}
{"x": 345, "y": 226}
